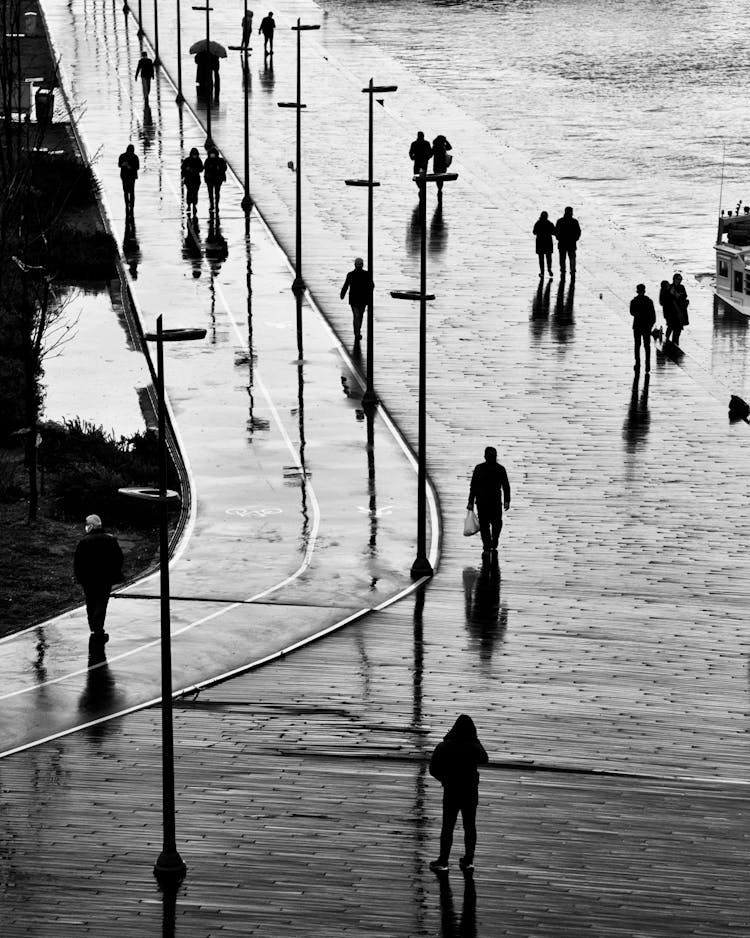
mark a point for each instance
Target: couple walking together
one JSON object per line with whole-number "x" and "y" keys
{"x": 674, "y": 302}
{"x": 567, "y": 231}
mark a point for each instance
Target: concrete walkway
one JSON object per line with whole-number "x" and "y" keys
{"x": 605, "y": 663}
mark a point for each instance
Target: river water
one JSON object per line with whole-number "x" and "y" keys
{"x": 634, "y": 104}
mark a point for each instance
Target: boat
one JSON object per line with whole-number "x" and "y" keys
{"x": 733, "y": 259}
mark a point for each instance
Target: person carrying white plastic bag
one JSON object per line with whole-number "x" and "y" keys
{"x": 471, "y": 524}
{"x": 491, "y": 491}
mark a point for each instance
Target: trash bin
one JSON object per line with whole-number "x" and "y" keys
{"x": 29, "y": 23}
{"x": 44, "y": 100}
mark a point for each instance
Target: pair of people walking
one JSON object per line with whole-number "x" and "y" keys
{"x": 214, "y": 172}
{"x": 567, "y": 231}
{"x": 674, "y": 302}
{"x": 422, "y": 151}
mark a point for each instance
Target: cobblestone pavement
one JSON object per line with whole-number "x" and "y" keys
{"x": 605, "y": 663}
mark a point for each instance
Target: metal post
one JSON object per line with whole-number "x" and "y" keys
{"x": 180, "y": 98}
{"x": 140, "y": 19}
{"x": 209, "y": 141}
{"x": 157, "y": 61}
{"x": 369, "y": 398}
{"x": 299, "y": 283}
{"x": 246, "y": 202}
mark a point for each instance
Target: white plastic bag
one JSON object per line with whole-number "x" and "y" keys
{"x": 471, "y": 523}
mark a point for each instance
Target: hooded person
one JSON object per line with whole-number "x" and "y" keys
{"x": 97, "y": 565}
{"x": 454, "y": 764}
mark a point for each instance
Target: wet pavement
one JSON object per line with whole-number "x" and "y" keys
{"x": 605, "y": 661}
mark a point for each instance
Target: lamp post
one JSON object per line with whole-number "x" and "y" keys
{"x": 179, "y": 99}
{"x": 169, "y": 866}
{"x": 369, "y": 398}
{"x": 421, "y": 566}
{"x": 299, "y": 284}
{"x": 209, "y": 141}
{"x": 157, "y": 61}
{"x": 247, "y": 202}
{"x": 140, "y": 19}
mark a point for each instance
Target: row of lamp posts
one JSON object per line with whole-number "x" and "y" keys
{"x": 170, "y": 867}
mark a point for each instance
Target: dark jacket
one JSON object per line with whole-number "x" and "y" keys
{"x": 129, "y": 165}
{"x": 568, "y": 231}
{"x": 489, "y": 485}
{"x": 440, "y": 147}
{"x": 215, "y": 170}
{"x": 145, "y": 68}
{"x": 680, "y": 302}
{"x": 192, "y": 167}
{"x": 454, "y": 761}
{"x": 267, "y": 26}
{"x": 420, "y": 151}
{"x": 98, "y": 559}
{"x": 543, "y": 229}
{"x": 643, "y": 313}
{"x": 358, "y": 284}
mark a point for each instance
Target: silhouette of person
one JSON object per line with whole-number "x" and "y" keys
{"x": 203, "y": 73}
{"x": 215, "y": 174}
{"x": 358, "y": 284}
{"x": 568, "y": 233}
{"x": 247, "y": 29}
{"x": 192, "y": 167}
{"x": 644, "y": 317}
{"x": 667, "y": 308}
{"x": 490, "y": 489}
{"x": 454, "y": 764}
{"x": 544, "y": 230}
{"x": 129, "y": 165}
{"x": 97, "y": 564}
{"x": 441, "y": 159}
{"x": 267, "y": 27}
{"x": 679, "y": 312}
{"x": 145, "y": 69}
{"x": 420, "y": 151}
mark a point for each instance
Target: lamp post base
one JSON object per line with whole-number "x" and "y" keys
{"x": 298, "y": 286}
{"x": 421, "y": 567}
{"x": 209, "y": 144}
{"x": 170, "y": 868}
{"x": 370, "y": 400}
{"x": 246, "y": 204}
{"x": 179, "y": 99}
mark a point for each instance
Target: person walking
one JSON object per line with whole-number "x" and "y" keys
{"x": 420, "y": 151}
{"x": 267, "y": 27}
{"x": 441, "y": 160}
{"x": 544, "y": 230}
{"x": 247, "y": 29}
{"x": 192, "y": 167}
{"x": 358, "y": 284}
{"x": 644, "y": 318}
{"x": 454, "y": 764}
{"x": 203, "y": 73}
{"x": 490, "y": 489}
{"x": 667, "y": 308}
{"x": 215, "y": 174}
{"x": 129, "y": 165}
{"x": 97, "y": 564}
{"x": 680, "y": 303}
{"x": 145, "y": 69}
{"x": 568, "y": 233}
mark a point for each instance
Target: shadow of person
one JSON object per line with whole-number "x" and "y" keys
{"x": 539, "y": 319}
{"x": 450, "y": 926}
{"x": 266, "y": 76}
{"x": 563, "y": 323}
{"x": 636, "y": 425}
{"x": 414, "y": 232}
{"x": 486, "y": 616}
{"x": 438, "y": 231}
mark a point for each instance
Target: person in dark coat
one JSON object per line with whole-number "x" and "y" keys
{"x": 267, "y": 27}
{"x": 679, "y": 312}
{"x": 567, "y": 232}
{"x": 192, "y": 167}
{"x": 215, "y": 174}
{"x": 203, "y": 73}
{"x": 145, "y": 69}
{"x": 129, "y": 165}
{"x": 454, "y": 764}
{"x": 97, "y": 564}
{"x": 247, "y": 29}
{"x": 490, "y": 489}
{"x": 544, "y": 230}
{"x": 667, "y": 308}
{"x": 441, "y": 159}
{"x": 644, "y": 318}
{"x": 358, "y": 284}
{"x": 420, "y": 151}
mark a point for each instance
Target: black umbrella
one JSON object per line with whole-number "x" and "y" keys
{"x": 215, "y": 48}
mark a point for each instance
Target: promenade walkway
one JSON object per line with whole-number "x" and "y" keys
{"x": 606, "y": 664}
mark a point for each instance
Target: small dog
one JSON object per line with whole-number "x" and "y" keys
{"x": 658, "y": 333}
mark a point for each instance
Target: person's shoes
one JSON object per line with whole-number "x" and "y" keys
{"x": 102, "y": 637}
{"x": 465, "y": 864}
{"x": 438, "y": 866}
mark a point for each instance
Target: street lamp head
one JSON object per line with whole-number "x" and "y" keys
{"x": 301, "y": 27}
{"x": 175, "y": 335}
{"x": 435, "y": 177}
{"x": 360, "y": 182}
{"x": 411, "y": 295}
{"x": 380, "y": 89}
{"x": 299, "y": 107}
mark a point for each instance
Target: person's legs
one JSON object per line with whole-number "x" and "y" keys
{"x": 97, "y": 597}
{"x": 572, "y": 258}
{"x": 496, "y": 523}
{"x": 469, "y": 817}
{"x": 541, "y": 264}
{"x": 549, "y": 263}
{"x": 676, "y": 334}
{"x": 637, "y": 348}
{"x": 451, "y": 807}
{"x": 646, "y": 337}
{"x": 358, "y": 313}
{"x": 484, "y": 528}
{"x": 561, "y": 253}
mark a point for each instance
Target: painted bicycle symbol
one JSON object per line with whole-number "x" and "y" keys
{"x": 253, "y": 511}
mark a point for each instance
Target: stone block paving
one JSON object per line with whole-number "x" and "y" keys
{"x": 606, "y": 666}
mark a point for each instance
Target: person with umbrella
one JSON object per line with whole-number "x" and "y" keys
{"x": 207, "y": 55}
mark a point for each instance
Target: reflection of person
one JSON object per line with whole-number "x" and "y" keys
{"x": 215, "y": 173}
{"x": 145, "y": 69}
{"x": 544, "y": 230}
{"x": 420, "y": 151}
{"x": 491, "y": 491}
{"x": 454, "y": 764}
{"x": 267, "y": 26}
{"x": 129, "y": 165}
{"x": 644, "y": 318}
{"x": 358, "y": 284}
{"x": 192, "y": 167}
{"x": 247, "y": 29}
{"x": 568, "y": 232}
{"x": 96, "y": 566}
{"x": 441, "y": 159}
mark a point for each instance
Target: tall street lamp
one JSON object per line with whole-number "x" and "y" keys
{"x": 179, "y": 99}
{"x": 369, "y": 399}
{"x": 209, "y": 141}
{"x": 421, "y": 566}
{"x": 246, "y": 203}
{"x": 157, "y": 61}
{"x": 169, "y": 866}
{"x": 140, "y": 19}
{"x": 299, "y": 284}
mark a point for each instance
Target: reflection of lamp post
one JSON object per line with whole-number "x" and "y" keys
{"x": 179, "y": 99}
{"x": 299, "y": 285}
{"x": 369, "y": 398}
{"x": 246, "y": 203}
{"x": 169, "y": 866}
{"x": 209, "y": 142}
{"x": 421, "y": 566}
